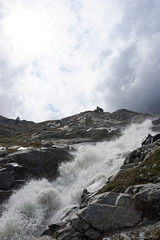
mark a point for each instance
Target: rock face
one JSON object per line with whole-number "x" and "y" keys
{"x": 103, "y": 213}
{"x": 19, "y": 167}
{"x": 110, "y": 212}
{"x": 39, "y": 163}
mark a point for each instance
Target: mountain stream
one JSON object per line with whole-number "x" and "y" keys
{"x": 39, "y": 203}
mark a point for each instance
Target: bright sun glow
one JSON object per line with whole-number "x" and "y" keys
{"x": 28, "y": 30}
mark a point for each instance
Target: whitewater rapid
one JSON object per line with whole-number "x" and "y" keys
{"x": 39, "y": 203}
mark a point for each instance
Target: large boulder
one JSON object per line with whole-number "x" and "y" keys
{"x": 110, "y": 211}
{"x": 22, "y": 166}
{"x": 147, "y": 198}
{"x": 104, "y": 213}
{"x": 38, "y": 163}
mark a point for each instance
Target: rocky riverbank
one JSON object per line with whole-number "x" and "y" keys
{"x": 126, "y": 207}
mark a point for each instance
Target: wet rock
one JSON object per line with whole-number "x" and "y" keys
{"x": 54, "y": 227}
{"x": 156, "y": 122}
{"x": 39, "y": 163}
{"x": 85, "y": 198}
{"x": 150, "y": 139}
{"x": 4, "y": 195}
{"x": 6, "y": 180}
{"x": 133, "y": 157}
{"x": 156, "y": 125}
{"x": 21, "y": 166}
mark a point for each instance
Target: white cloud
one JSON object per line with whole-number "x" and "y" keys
{"x": 62, "y": 57}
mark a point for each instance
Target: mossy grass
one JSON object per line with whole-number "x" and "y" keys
{"x": 88, "y": 120}
{"x": 147, "y": 171}
{"x": 18, "y": 135}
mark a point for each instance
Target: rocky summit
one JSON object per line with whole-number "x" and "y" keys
{"x": 126, "y": 207}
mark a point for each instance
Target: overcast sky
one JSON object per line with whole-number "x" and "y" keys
{"x": 61, "y": 57}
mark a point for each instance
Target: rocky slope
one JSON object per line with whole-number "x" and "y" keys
{"x": 89, "y": 126}
{"x": 126, "y": 207}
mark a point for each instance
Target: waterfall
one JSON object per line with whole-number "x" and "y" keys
{"x": 39, "y": 203}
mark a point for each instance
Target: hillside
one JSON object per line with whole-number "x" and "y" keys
{"x": 125, "y": 207}
{"x": 89, "y": 126}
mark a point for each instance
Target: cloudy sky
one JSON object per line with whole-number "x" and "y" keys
{"x": 61, "y": 57}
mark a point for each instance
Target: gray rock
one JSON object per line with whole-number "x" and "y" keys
{"x": 68, "y": 233}
{"x": 110, "y": 211}
{"x": 92, "y": 234}
{"x": 148, "y": 199}
{"x": 99, "y": 134}
{"x": 133, "y": 157}
{"x": 6, "y": 180}
{"x": 41, "y": 238}
{"x": 127, "y": 166}
{"x": 21, "y": 166}
{"x": 39, "y": 163}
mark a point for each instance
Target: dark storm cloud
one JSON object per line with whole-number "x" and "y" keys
{"x": 133, "y": 80}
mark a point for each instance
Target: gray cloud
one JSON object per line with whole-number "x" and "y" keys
{"x": 9, "y": 95}
{"x": 99, "y": 53}
{"x": 133, "y": 80}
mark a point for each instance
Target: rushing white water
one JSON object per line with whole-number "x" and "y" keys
{"x": 39, "y": 203}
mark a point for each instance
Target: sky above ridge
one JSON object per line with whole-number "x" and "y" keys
{"x": 61, "y": 57}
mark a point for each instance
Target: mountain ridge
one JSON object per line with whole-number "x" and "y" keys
{"x": 88, "y": 126}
